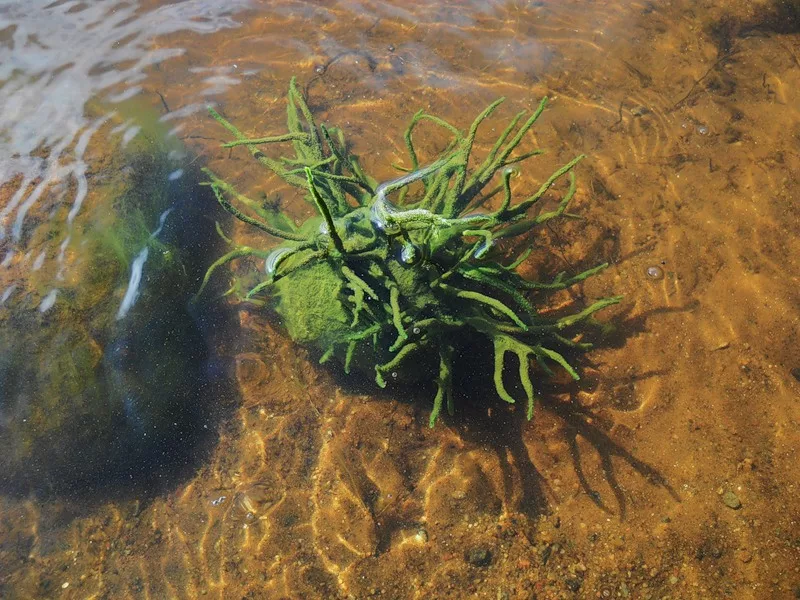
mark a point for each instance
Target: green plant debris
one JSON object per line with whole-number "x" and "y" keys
{"x": 380, "y": 285}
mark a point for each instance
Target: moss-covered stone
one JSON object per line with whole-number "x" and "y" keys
{"x": 101, "y": 364}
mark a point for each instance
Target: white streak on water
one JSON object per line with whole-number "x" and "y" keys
{"x": 182, "y": 112}
{"x": 86, "y": 136}
{"x": 122, "y": 127}
{"x": 13, "y": 203}
{"x": 132, "y": 293}
{"x": 80, "y": 194}
{"x": 48, "y": 301}
{"x": 7, "y": 258}
{"x": 175, "y": 155}
{"x": 126, "y": 95}
{"x": 62, "y": 251}
{"x": 176, "y": 174}
{"x": 130, "y": 133}
{"x": 219, "y": 84}
{"x": 33, "y": 198}
{"x": 137, "y": 268}
{"x": 37, "y": 264}
{"x": 7, "y": 293}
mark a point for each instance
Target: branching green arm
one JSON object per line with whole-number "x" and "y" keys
{"x": 507, "y": 173}
{"x": 520, "y": 259}
{"x": 266, "y": 161}
{"x": 570, "y": 320}
{"x": 218, "y": 187}
{"x": 309, "y": 257}
{"x": 392, "y": 364}
{"x": 480, "y": 251}
{"x": 358, "y": 301}
{"x": 560, "y": 282}
{"x": 273, "y": 139}
{"x": 221, "y": 234}
{"x": 523, "y": 206}
{"x": 497, "y": 157}
{"x": 466, "y": 150}
{"x": 296, "y": 100}
{"x": 238, "y": 252}
{"x": 571, "y": 344}
{"x": 444, "y": 385}
{"x": 259, "y": 288}
{"x": 325, "y": 212}
{"x": 503, "y": 344}
{"x": 356, "y": 281}
{"x": 348, "y": 357}
{"x": 556, "y": 357}
{"x": 498, "y": 284}
{"x": 394, "y": 302}
{"x": 488, "y": 301}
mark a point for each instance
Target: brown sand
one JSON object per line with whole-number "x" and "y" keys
{"x": 689, "y": 114}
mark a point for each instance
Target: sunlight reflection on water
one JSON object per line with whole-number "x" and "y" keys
{"x": 56, "y": 57}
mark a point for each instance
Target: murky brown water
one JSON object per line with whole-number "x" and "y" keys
{"x": 623, "y": 485}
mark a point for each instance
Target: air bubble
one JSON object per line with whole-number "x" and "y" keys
{"x": 410, "y": 254}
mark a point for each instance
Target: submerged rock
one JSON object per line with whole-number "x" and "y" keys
{"x": 731, "y": 500}
{"x": 103, "y": 365}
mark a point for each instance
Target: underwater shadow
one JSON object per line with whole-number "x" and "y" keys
{"x": 144, "y": 414}
{"x": 580, "y": 423}
{"x": 502, "y": 431}
{"x": 484, "y": 420}
{"x": 505, "y": 429}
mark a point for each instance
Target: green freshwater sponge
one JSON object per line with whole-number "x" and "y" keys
{"x": 384, "y": 286}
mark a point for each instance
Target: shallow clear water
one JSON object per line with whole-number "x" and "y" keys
{"x": 155, "y": 447}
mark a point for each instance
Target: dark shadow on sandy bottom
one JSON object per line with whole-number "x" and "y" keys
{"x": 482, "y": 419}
{"x": 495, "y": 425}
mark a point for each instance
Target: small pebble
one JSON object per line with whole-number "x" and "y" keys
{"x": 654, "y": 272}
{"x": 744, "y": 555}
{"x": 731, "y": 500}
{"x": 478, "y": 557}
